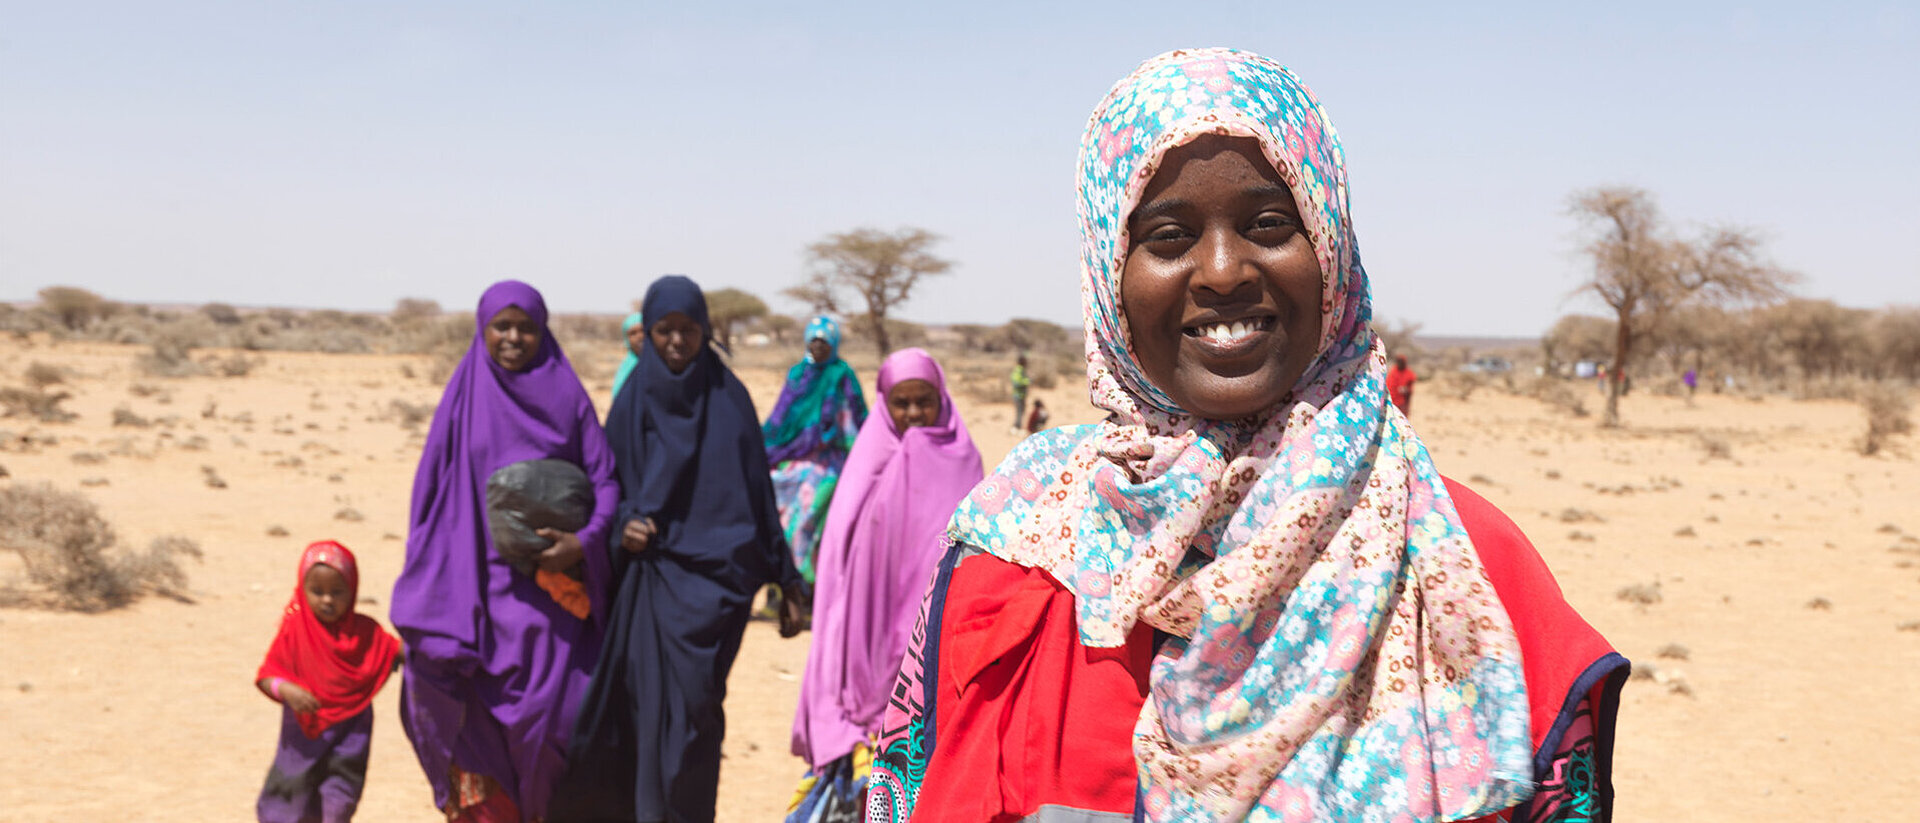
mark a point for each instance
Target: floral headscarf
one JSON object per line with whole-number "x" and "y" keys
{"x": 1334, "y": 648}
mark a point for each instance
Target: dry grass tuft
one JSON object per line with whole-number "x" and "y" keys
{"x": 1820, "y": 604}
{"x": 1716, "y": 447}
{"x": 170, "y": 356}
{"x": 1889, "y": 414}
{"x": 124, "y": 416}
{"x": 1674, "y": 651}
{"x": 67, "y": 549}
{"x": 349, "y": 514}
{"x": 35, "y": 403}
{"x": 1644, "y": 594}
{"x": 410, "y": 415}
{"x": 41, "y": 375}
{"x": 212, "y": 478}
{"x": 277, "y": 530}
{"x": 1559, "y": 395}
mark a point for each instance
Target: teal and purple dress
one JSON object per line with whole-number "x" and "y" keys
{"x": 809, "y": 433}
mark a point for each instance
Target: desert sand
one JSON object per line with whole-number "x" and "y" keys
{"x": 1787, "y": 574}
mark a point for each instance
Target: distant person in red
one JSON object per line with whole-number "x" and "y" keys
{"x": 1400, "y": 384}
{"x": 1037, "y": 417}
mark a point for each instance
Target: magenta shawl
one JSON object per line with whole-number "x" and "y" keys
{"x": 877, "y": 553}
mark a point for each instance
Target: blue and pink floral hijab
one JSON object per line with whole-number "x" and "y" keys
{"x": 1334, "y": 648}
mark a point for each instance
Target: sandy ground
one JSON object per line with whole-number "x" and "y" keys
{"x": 1788, "y": 577}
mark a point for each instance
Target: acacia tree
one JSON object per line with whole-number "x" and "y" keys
{"x": 1644, "y": 274}
{"x": 882, "y": 268}
{"x": 728, "y": 306}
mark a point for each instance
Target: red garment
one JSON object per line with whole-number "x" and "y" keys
{"x": 343, "y": 665}
{"x": 1025, "y": 716}
{"x": 1400, "y": 381}
{"x": 1011, "y": 664}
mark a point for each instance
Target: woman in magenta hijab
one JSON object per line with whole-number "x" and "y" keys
{"x": 497, "y": 660}
{"x": 908, "y": 469}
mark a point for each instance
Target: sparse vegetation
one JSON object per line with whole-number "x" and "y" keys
{"x": 1889, "y": 414}
{"x": 40, "y": 375}
{"x": 34, "y": 403}
{"x": 123, "y": 416}
{"x": 1642, "y": 594}
{"x": 69, "y": 552}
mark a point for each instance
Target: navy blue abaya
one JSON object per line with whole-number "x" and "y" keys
{"x": 690, "y": 457}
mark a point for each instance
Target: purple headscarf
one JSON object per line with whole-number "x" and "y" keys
{"x": 494, "y": 667}
{"x": 877, "y": 554}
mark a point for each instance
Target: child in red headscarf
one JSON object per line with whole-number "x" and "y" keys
{"x": 325, "y": 666}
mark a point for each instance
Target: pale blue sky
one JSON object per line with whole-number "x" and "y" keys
{"x": 346, "y": 154}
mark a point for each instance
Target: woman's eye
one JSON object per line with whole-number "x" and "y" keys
{"x": 1166, "y": 234}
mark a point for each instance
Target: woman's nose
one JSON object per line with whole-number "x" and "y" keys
{"x": 1222, "y": 263}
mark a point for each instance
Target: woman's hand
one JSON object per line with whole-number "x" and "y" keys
{"x": 638, "y": 534}
{"x": 298, "y": 699}
{"x": 565, "y": 552}
{"x": 796, "y": 610}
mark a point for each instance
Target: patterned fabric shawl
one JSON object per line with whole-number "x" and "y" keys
{"x": 1334, "y": 649}
{"x": 807, "y": 414}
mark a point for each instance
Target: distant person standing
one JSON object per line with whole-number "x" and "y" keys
{"x": 1037, "y": 419}
{"x": 1400, "y": 380}
{"x": 631, "y": 330}
{"x": 1692, "y": 380}
{"x": 808, "y": 434}
{"x": 1020, "y": 384}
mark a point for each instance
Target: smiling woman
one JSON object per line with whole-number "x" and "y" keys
{"x": 1248, "y": 593}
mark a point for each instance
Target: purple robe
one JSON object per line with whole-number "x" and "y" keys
{"x": 877, "y": 554}
{"x": 494, "y": 667}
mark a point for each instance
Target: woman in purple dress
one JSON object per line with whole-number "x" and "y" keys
{"x": 495, "y": 665}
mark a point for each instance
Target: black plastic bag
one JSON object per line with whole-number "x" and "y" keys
{"x": 525, "y": 497}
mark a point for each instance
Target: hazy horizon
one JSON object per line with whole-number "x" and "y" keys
{"x": 347, "y": 155}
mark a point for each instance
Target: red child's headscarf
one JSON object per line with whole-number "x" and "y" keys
{"x": 343, "y": 665}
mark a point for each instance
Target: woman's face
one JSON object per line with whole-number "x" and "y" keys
{"x": 819, "y": 350}
{"x": 327, "y": 593}
{"x": 636, "y": 338}
{"x": 513, "y": 338}
{"x": 1220, "y": 287}
{"x": 913, "y": 403}
{"x": 678, "y": 340}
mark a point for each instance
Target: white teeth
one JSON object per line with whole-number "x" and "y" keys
{"x": 1228, "y": 331}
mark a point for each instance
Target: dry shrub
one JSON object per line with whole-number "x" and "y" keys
{"x": 67, "y": 548}
{"x": 39, "y": 405}
{"x": 236, "y": 365}
{"x": 1644, "y": 594}
{"x": 1716, "y": 447}
{"x": 123, "y": 416}
{"x": 74, "y": 308}
{"x": 410, "y": 415}
{"x": 170, "y": 356}
{"x": 41, "y": 375}
{"x": 1557, "y": 394}
{"x": 1889, "y": 414}
{"x": 1459, "y": 385}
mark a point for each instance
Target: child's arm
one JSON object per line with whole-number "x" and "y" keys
{"x": 289, "y": 693}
